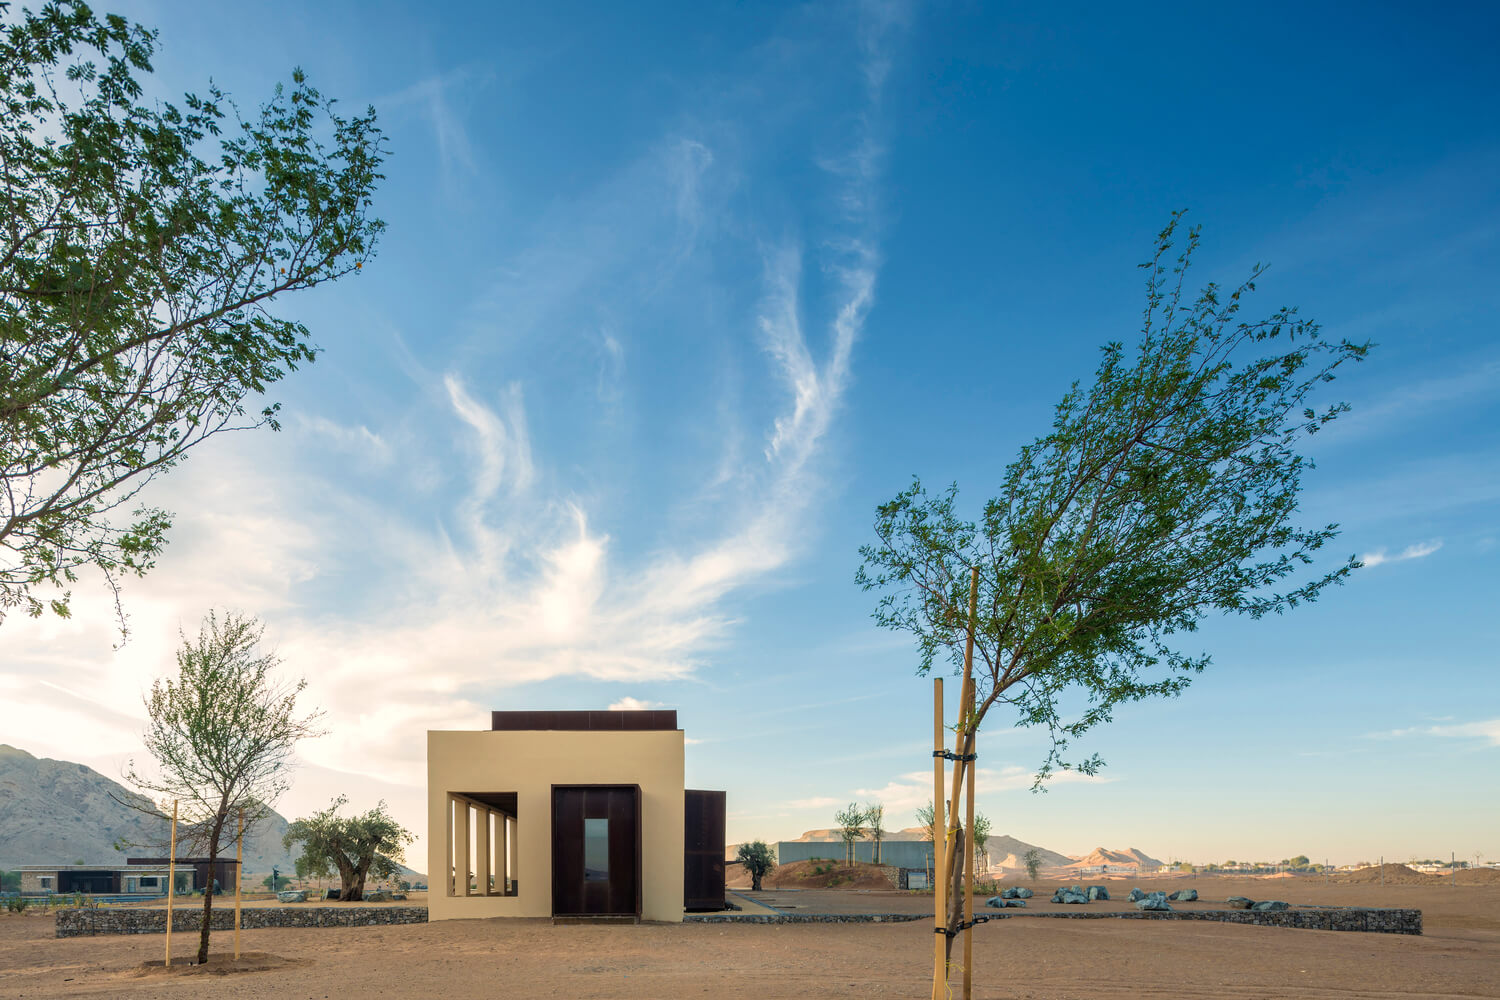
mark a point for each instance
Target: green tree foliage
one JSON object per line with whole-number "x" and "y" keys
{"x": 10, "y": 881}
{"x": 142, "y": 250}
{"x": 354, "y": 847}
{"x": 875, "y": 827}
{"x": 850, "y": 821}
{"x": 1165, "y": 492}
{"x": 758, "y": 861}
{"x": 1300, "y": 861}
{"x": 981, "y": 834}
{"x": 276, "y": 883}
{"x": 925, "y": 819}
{"x": 1032, "y": 859}
{"x": 221, "y": 736}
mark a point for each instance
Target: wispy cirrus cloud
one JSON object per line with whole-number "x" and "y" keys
{"x": 1486, "y": 731}
{"x": 910, "y": 791}
{"x": 1419, "y": 550}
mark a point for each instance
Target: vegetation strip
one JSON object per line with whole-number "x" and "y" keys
{"x": 1367, "y": 919}
{"x": 87, "y": 923}
{"x": 802, "y": 918}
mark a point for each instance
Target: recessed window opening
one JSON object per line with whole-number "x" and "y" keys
{"x": 596, "y": 850}
{"x": 482, "y": 829}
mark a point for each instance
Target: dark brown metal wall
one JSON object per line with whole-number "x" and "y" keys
{"x": 572, "y": 894}
{"x": 703, "y": 850}
{"x": 649, "y": 719}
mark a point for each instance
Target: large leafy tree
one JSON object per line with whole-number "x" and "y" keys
{"x": 1164, "y": 493}
{"x": 142, "y": 249}
{"x": 221, "y": 736}
{"x": 758, "y": 859}
{"x": 353, "y": 847}
{"x": 850, "y": 821}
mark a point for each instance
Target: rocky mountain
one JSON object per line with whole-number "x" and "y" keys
{"x": 1104, "y": 856}
{"x": 57, "y": 812}
{"x": 1006, "y": 851}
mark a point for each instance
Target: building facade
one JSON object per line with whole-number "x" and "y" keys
{"x": 139, "y": 876}
{"x": 569, "y": 814}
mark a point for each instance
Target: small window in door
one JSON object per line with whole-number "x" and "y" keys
{"x": 596, "y": 850}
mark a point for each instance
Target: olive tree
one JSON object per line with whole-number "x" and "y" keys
{"x": 143, "y": 250}
{"x": 1164, "y": 492}
{"x": 221, "y": 736}
{"x": 875, "y": 827}
{"x": 850, "y": 821}
{"x": 354, "y": 847}
{"x": 759, "y": 861}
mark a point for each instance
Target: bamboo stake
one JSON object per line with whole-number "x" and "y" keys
{"x": 939, "y": 900}
{"x": 965, "y": 723}
{"x": 171, "y": 881}
{"x": 239, "y": 874}
{"x": 970, "y": 848}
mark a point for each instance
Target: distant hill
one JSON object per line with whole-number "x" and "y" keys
{"x": 1104, "y": 856}
{"x": 1006, "y": 851}
{"x": 57, "y": 812}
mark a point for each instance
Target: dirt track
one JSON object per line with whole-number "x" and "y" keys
{"x": 1459, "y": 956}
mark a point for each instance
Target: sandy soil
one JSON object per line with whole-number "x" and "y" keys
{"x": 1459, "y": 956}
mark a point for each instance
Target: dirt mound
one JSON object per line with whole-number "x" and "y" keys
{"x": 218, "y": 964}
{"x": 1129, "y": 856}
{"x": 1389, "y": 874}
{"x": 813, "y": 875}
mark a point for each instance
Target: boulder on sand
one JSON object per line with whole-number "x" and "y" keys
{"x": 1240, "y": 902}
{"x": 1184, "y": 895}
{"x": 292, "y": 896}
{"x": 1098, "y": 892}
{"x": 1155, "y": 901}
{"x": 1070, "y": 895}
{"x": 1270, "y": 906}
{"x": 1135, "y": 894}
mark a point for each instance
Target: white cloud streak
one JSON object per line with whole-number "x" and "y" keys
{"x": 1420, "y": 550}
{"x": 1486, "y": 731}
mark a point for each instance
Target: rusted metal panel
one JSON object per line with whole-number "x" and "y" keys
{"x": 615, "y": 721}
{"x": 703, "y": 850}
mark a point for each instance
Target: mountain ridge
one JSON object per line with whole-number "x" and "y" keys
{"x": 60, "y": 812}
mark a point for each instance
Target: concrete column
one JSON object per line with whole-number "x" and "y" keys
{"x": 461, "y": 845}
{"x": 448, "y": 873}
{"x": 482, "y": 849}
{"x": 502, "y": 851}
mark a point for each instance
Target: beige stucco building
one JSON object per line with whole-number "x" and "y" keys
{"x": 564, "y": 814}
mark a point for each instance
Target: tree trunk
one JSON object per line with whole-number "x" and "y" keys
{"x": 755, "y": 878}
{"x": 955, "y": 895}
{"x": 208, "y": 906}
{"x": 350, "y": 890}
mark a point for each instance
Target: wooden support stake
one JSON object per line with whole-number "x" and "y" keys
{"x": 171, "y": 881}
{"x": 970, "y": 849}
{"x": 239, "y": 875}
{"x": 939, "y": 901}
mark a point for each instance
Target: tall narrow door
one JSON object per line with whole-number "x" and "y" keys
{"x": 596, "y": 858}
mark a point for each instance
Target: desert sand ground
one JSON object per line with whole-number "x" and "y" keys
{"x": 1458, "y": 956}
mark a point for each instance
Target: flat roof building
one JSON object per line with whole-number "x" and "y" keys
{"x": 570, "y": 814}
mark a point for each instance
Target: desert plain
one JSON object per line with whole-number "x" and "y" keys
{"x": 1458, "y": 955}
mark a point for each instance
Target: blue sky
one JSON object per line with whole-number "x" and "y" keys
{"x": 673, "y": 296}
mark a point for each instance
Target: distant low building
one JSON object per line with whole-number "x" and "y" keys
{"x": 138, "y": 876}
